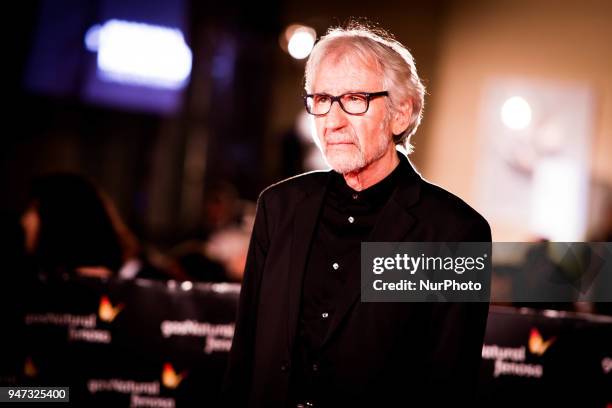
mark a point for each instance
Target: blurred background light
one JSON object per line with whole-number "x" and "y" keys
{"x": 516, "y": 113}
{"x": 535, "y": 182}
{"x": 557, "y": 205}
{"x": 298, "y": 40}
{"x": 92, "y": 38}
{"x": 140, "y": 54}
{"x": 301, "y": 44}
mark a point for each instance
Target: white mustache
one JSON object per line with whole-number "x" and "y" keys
{"x": 342, "y": 138}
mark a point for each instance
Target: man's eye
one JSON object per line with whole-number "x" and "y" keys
{"x": 322, "y": 99}
{"x": 356, "y": 98}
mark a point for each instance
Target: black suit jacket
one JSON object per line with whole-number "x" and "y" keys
{"x": 375, "y": 354}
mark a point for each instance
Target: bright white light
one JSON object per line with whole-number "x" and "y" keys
{"x": 92, "y": 38}
{"x": 186, "y": 285}
{"x": 301, "y": 43}
{"x": 558, "y": 200}
{"x": 141, "y": 54}
{"x": 516, "y": 113}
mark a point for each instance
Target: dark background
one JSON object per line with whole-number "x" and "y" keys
{"x": 237, "y": 112}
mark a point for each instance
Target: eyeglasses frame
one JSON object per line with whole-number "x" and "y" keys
{"x": 368, "y": 95}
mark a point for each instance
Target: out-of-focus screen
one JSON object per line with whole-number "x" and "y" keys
{"x": 120, "y": 55}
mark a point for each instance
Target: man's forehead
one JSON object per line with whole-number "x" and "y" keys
{"x": 349, "y": 57}
{"x": 347, "y": 72}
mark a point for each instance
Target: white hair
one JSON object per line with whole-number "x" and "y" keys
{"x": 393, "y": 60}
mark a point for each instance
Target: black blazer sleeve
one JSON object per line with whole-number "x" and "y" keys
{"x": 456, "y": 336}
{"x": 237, "y": 381}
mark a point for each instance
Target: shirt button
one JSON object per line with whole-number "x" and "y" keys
{"x": 315, "y": 367}
{"x": 335, "y": 265}
{"x": 351, "y": 219}
{"x": 325, "y": 315}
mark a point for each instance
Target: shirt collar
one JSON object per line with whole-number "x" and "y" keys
{"x": 379, "y": 192}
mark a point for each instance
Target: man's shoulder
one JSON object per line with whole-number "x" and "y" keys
{"x": 439, "y": 208}
{"x": 438, "y": 198}
{"x": 446, "y": 208}
{"x": 296, "y": 186}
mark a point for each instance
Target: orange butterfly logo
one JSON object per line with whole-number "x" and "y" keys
{"x": 537, "y": 345}
{"x": 106, "y": 311}
{"x": 170, "y": 378}
{"x": 29, "y": 369}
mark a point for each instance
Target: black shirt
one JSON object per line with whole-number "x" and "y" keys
{"x": 347, "y": 218}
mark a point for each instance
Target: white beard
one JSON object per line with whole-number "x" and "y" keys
{"x": 353, "y": 158}
{"x": 346, "y": 161}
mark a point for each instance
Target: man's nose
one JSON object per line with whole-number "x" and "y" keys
{"x": 336, "y": 117}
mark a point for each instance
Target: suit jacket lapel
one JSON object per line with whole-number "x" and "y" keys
{"x": 307, "y": 215}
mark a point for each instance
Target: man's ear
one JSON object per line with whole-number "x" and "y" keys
{"x": 401, "y": 117}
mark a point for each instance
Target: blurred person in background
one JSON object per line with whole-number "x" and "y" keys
{"x": 12, "y": 279}
{"x": 72, "y": 228}
{"x": 222, "y": 208}
{"x": 219, "y": 249}
{"x": 11, "y": 241}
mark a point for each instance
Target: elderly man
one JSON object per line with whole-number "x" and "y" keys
{"x": 303, "y": 338}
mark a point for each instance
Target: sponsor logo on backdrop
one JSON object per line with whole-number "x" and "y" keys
{"x": 61, "y": 319}
{"x": 29, "y": 368}
{"x": 170, "y": 378}
{"x": 89, "y": 335}
{"x": 106, "y": 311}
{"x": 537, "y": 345}
{"x": 138, "y": 401}
{"x": 81, "y": 328}
{"x": 142, "y": 393}
{"x": 510, "y": 361}
{"x": 122, "y": 386}
{"x": 218, "y": 336}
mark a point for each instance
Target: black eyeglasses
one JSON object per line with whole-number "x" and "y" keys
{"x": 353, "y": 103}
